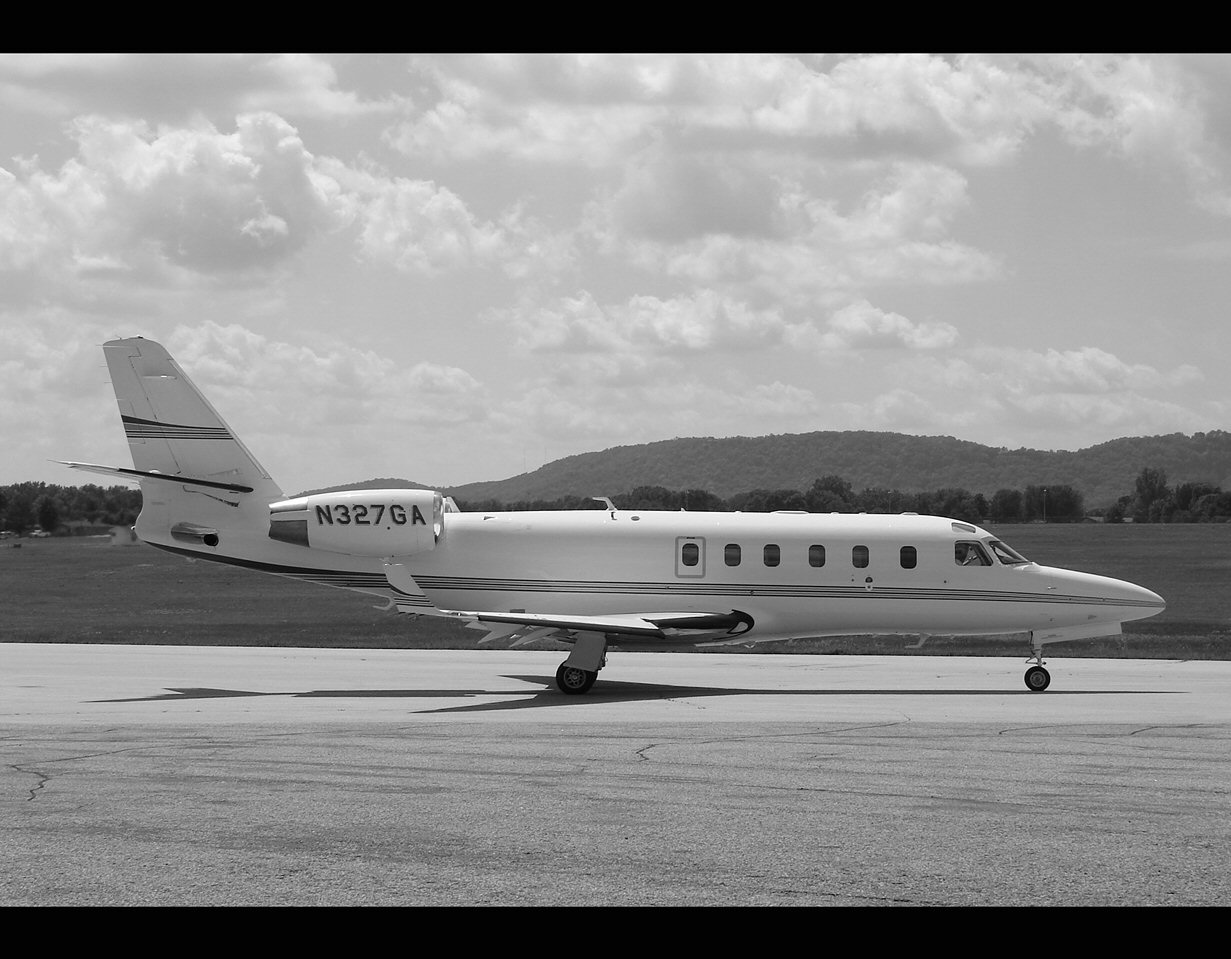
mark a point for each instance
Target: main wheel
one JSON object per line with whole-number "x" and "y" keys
{"x": 573, "y": 680}
{"x": 1037, "y": 679}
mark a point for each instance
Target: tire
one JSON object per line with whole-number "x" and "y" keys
{"x": 573, "y": 681}
{"x": 1037, "y": 679}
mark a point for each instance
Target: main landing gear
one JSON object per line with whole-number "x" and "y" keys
{"x": 574, "y": 681}
{"x": 577, "y": 673}
{"x": 1037, "y": 678}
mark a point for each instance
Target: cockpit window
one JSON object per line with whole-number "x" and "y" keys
{"x": 970, "y": 553}
{"x": 1009, "y": 557}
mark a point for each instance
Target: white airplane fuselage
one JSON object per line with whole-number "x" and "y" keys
{"x": 600, "y": 562}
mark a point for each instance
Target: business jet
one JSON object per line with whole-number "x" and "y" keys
{"x": 596, "y": 579}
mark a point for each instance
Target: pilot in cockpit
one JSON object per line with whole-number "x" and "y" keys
{"x": 969, "y": 554}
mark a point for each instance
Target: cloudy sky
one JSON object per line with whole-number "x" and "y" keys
{"x": 457, "y": 268}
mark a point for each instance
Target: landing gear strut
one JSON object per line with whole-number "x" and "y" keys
{"x": 577, "y": 673}
{"x": 1037, "y": 678}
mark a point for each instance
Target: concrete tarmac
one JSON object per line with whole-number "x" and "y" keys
{"x": 147, "y": 775}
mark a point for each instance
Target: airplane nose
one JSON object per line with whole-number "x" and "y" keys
{"x": 1130, "y": 594}
{"x": 1126, "y": 601}
{"x": 1151, "y": 598}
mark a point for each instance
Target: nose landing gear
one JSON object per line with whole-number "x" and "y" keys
{"x": 1037, "y": 678}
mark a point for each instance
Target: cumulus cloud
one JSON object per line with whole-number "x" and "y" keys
{"x": 668, "y": 197}
{"x": 184, "y": 199}
{"x": 789, "y": 239}
{"x": 964, "y": 110}
{"x": 418, "y": 226}
{"x": 174, "y": 87}
{"x": 863, "y": 326}
{"x": 173, "y": 206}
{"x": 544, "y": 108}
{"x": 54, "y": 399}
{"x": 47, "y": 355}
{"x": 1088, "y": 369}
{"x": 1145, "y": 108}
{"x": 734, "y": 167}
{"x": 703, "y": 322}
{"x": 329, "y": 382}
{"x": 330, "y": 404}
{"x": 592, "y": 109}
{"x": 1104, "y": 416}
{"x": 1035, "y": 395}
{"x": 25, "y": 230}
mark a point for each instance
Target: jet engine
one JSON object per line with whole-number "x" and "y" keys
{"x": 367, "y": 522}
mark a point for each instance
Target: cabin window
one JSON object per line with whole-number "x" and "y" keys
{"x": 773, "y": 555}
{"x": 690, "y": 556}
{"x": 910, "y": 557}
{"x": 816, "y": 555}
{"x": 731, "y": 554}
{"x": 969, "y": 553}
{"x": 859, "y": 557}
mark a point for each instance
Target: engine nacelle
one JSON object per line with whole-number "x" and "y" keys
{"x": 366, "y": 522}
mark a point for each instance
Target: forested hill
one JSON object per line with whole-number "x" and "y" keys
{"x": 867, "y": 460}
{"x": 1183, "y": 472}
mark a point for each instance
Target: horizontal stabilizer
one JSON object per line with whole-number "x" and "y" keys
{"x": 141, "y": 475}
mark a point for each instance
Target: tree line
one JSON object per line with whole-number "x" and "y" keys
{"x": 1152, "y": 501}
{"x": 63, "y": 509}
{"x": 829, "y": 494}
{"x": 66, "y": 509}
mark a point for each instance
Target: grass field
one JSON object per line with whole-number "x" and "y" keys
{"x": 86, "y": 591}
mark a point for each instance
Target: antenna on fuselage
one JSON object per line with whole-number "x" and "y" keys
{"x": 606, "y": 500}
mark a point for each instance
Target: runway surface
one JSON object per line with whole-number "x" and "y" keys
{"x": 145, "y": 775}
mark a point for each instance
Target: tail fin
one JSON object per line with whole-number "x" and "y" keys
{"x": 197, "y": 478}
{"x": 171, "y": 427}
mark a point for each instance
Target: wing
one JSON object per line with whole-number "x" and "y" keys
{"x": 680, "y": 627}
{"x": 648, "y": 625}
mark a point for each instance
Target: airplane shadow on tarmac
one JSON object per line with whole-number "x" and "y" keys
{"x": 604, "y": 692}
